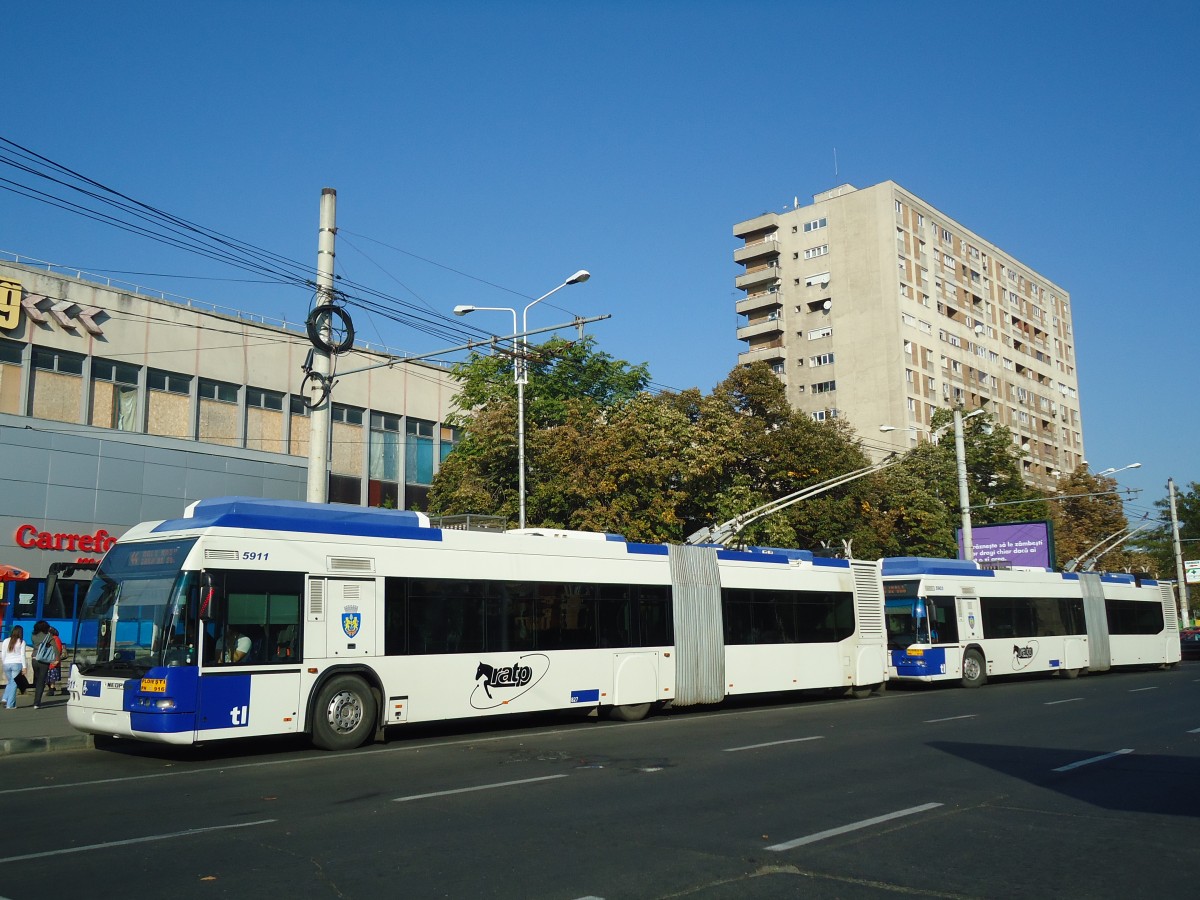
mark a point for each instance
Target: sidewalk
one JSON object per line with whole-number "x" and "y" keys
{"x": 29, "y": 730}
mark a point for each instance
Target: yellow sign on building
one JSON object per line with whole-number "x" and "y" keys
{"x": 10, "y": 304}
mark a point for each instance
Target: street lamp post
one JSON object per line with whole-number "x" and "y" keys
{"x": 1107, "y": 473}
{"x": 521, "y": 370}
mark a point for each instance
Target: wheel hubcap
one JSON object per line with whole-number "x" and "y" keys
{"x": 345, "y": 712}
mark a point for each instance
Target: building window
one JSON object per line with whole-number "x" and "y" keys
{"x": 814, "y": 252}
{"x": 346, "y": 451}
{"x": 450, "y": 436}
{"x": 383, "y": 487}
{"x": 219, "y": 391}
{"x": 218, "y": 412}
{"x": 817, "y": 333}
{"x": 57, "y": 385}
{"x": 167, "y": 404}
{"x": 815, "y": 224}
{"x": 10, "y": 377}
{"x": 824, "y": 387}
{"x": 823, "y": 359}
{"x": 264, "y": 420}
{"x": 298, "y": 427}
{"x": 114, "y": 395}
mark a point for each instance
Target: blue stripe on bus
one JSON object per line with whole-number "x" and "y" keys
{"x": 831, "y": 563}
{"x": 926, "y": 565}
{"x": 932, "y": 661}
{"x": 751, "y": 556}
{"x": 298, "y": 516}
{"x": 591, "y": 696}
{"x": 650, "y": 549}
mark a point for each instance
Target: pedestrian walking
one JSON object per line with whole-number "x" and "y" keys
{"x": 54, "y": 676}
{"x": 45, "y": 655}
{"x": 12, "y": 659}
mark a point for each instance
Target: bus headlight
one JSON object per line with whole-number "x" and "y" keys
{"x": 165, "y": 703}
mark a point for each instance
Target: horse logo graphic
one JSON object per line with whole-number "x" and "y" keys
{"x": 351, "y": 622}
{"x": 517, "y": 678}
{"x": 1023, "y": 656}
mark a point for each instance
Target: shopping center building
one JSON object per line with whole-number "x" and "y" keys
{"x": 118, "y": 406}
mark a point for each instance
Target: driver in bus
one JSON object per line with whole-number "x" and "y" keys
{"x": 235, "y": 645}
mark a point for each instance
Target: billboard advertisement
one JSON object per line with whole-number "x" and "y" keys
{"x": 1012, "y": 543}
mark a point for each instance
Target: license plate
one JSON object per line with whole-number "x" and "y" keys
{"x": 154, "y": 685}
{"x": 911, "y": 652}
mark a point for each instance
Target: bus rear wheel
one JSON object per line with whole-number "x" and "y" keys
{"x": 344, "y": 717}
{"x": 973, "y": 672}
{"x": 631, "y": 712}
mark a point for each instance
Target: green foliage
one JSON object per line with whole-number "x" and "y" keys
{"x": 1158, "y": 544}
{"x": 1083, "y": 524}
{"x": 604, "y": 455}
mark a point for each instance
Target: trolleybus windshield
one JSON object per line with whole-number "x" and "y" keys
{"x": 134, "y": 615}
{"x": 906, "y": 614}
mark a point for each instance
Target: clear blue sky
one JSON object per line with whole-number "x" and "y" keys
{"x": 483, "y": 151}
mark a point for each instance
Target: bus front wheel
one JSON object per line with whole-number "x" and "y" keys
{"x": 344, "y": 717}
{"x": 973, "y": 672}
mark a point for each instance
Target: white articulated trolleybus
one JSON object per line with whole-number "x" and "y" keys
{"x": 252, "y": 617}
{"x": 953, "y": 620}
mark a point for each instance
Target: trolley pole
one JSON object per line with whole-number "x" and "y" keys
{"x": 319, "y": 418}
{"x": 1180, "y": 577}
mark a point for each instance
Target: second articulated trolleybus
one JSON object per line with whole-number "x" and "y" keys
{"x": 953, "y": 620}
{"x": 251, "y": 617}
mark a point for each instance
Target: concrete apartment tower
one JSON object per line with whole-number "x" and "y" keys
{"x": 872, "y": 305}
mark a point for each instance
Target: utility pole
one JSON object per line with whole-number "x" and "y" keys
{"x": 964, "y": 500}
{"x": 319, "y": 417}
{"x": 1180, "y": 578}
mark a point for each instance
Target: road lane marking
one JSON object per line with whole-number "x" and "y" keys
{"x": 950, "y": 718}
{"x": 818, "y": 737}
{"x": 142, "y": 840}
{"x": 481, "y": 787}
{"x": 1194, "y": 731}
{"x": 1135, "y": 690}
{"x": 855, "y": 826}
{"x": 1056, "y": 702}
{"x": 1088, "y": 762}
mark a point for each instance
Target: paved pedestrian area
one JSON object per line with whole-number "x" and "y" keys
{"x": 29, "y": 730}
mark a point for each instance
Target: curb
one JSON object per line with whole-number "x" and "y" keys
{"x": 44, "y": 744}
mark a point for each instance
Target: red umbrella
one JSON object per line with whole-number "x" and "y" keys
{"x": 12, "y": 573}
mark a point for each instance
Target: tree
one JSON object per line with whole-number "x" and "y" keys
{"x": 1159, "y": 545}
{"x": 481, "y": 474}
{"x": 1086, "y": 517}
{"x": 996, "y": 488}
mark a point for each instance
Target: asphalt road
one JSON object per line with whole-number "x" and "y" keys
{"x": 1049, "y": 787}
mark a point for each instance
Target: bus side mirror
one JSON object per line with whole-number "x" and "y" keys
{"x": 211, "y": 601}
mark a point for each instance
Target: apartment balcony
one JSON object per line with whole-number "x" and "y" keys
{"x": 765, "y": 248}
{"x": 763, "y": 300}
{"x": 772, "y": 325}
{"x": 761, "y": 354}
{"x": 758, "y": 223}
{"x": 758, "y": 277}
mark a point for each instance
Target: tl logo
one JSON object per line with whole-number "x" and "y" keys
{"x": 351, "y": 623}
{"x": 239, "y": 715}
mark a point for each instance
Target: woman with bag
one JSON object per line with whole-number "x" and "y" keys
{"x": 45, "y": 654}
{"x": 54, "y": 676}
{"x": 12, "y": 658}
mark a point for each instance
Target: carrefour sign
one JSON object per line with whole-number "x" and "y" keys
{"x": 29, "y": 537}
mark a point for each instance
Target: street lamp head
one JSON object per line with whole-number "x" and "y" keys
{"x": 463, "y": 310}
{"x": 579, "y": 277}
{"x": 887, "y": 428}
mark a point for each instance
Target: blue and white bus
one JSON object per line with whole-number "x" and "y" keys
{"x": 250, "y": 617}
{"x": 954, "y": 620}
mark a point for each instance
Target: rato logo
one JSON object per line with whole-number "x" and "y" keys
{"x": 1023, "y": 656}
{"x": 509, "y": 682}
